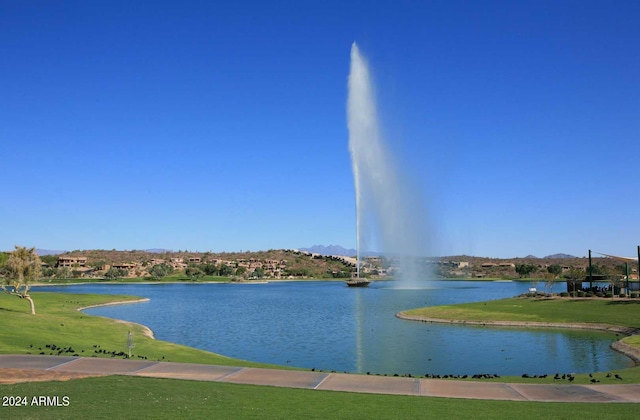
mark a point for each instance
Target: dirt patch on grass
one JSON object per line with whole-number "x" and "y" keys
{"x": 14, "y": 376}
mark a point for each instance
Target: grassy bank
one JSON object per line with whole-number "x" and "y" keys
{"x": 58, "y": 322}
{"x": 546, "y": 312}
{"x": 133, "y": 397}
{"x": 608, "y": 311}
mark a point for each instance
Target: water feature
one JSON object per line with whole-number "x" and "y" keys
{"x": 388, "y": 215}
{"x": 322, "y": 325}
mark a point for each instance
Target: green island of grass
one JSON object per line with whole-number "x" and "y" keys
{"x": 568, "y": 311}
{"x": 620, "y": 316}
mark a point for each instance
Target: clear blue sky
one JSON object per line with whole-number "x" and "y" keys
{"x": 221, "y": 126}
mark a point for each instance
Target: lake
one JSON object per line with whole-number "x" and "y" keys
{"x": 326, "y": 325}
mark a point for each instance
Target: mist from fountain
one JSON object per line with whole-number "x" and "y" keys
{"x": 389, "y": 213}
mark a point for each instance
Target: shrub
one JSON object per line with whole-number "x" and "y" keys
{"x": 622, "y": 295}
{"x": 589, "y": 294}
{"x": 609, "y": 294}
{"x": 635, "y": 294}
{"x": 564, "y": 294}
{"x": 581, "y": 294}
{"x": 599, "y": 294}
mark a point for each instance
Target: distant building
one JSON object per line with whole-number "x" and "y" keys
{"x": 71, "y": 262}
{"x": 125, "y": 266}
{"x": 177, "y": 263}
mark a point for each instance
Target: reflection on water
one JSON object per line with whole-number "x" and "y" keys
{"x": 359, "y": 310}
{"x": 329, "y": 326}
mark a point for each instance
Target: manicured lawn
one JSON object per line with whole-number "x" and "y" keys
{"x": 566, "y": 310}
{"x": 133, "y": 397}
{"x": 59, "y": 322}
{"x": 604, "y": 311}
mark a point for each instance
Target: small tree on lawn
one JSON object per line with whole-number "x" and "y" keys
{"x": 63, "y": 273}
{"x": 224, "y": 270}
{"x": 258, "y": 272}
{"x": 209, "y": 269}
{"x": 115, "y": 273}
{"x": 614, "y": 278}
{"x": 193, "y": 272}
{"x": 525, "y": 270}
{"x": 555, "y": 269}
{"x": 549, "y": 285}
{"x": 575, "y": 275}
{"x": 22, "y": 268}
{"x": 159, "y": 271}
{"x": 48, "y": 272}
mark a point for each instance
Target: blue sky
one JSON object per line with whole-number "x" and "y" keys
{"x": 222, "y": 126}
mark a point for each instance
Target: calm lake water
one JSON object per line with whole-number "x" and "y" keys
{"x": 326, "y": 325}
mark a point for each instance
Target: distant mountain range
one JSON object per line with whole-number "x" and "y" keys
{"x": 553, "y": 257}
{"x": 49, "y": 252}
{"x": 556, "y": 256}
{"x": 157, "y": 250}
{"x": 330, "y": 250}
{"x": 339, "y": 250}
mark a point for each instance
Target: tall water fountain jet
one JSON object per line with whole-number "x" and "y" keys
{"x": 388, "y": 211}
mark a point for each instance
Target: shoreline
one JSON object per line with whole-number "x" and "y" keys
{"x": 146, "y": 331}
{"x": 151, "y": 282}
{"x": 631, "y": 352}
{"x": 264, "y": 281}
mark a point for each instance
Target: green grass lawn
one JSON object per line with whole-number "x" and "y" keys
{"x": 566, "y": 310}
{"x": 59, "y": 322}
{"x": 604, "y": 311}
{"x": 133, "y": 397}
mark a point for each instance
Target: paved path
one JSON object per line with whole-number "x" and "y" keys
{"x": 328, "y": 381}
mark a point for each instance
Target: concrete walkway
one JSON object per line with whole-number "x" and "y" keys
{"x": 328, "y": 381}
